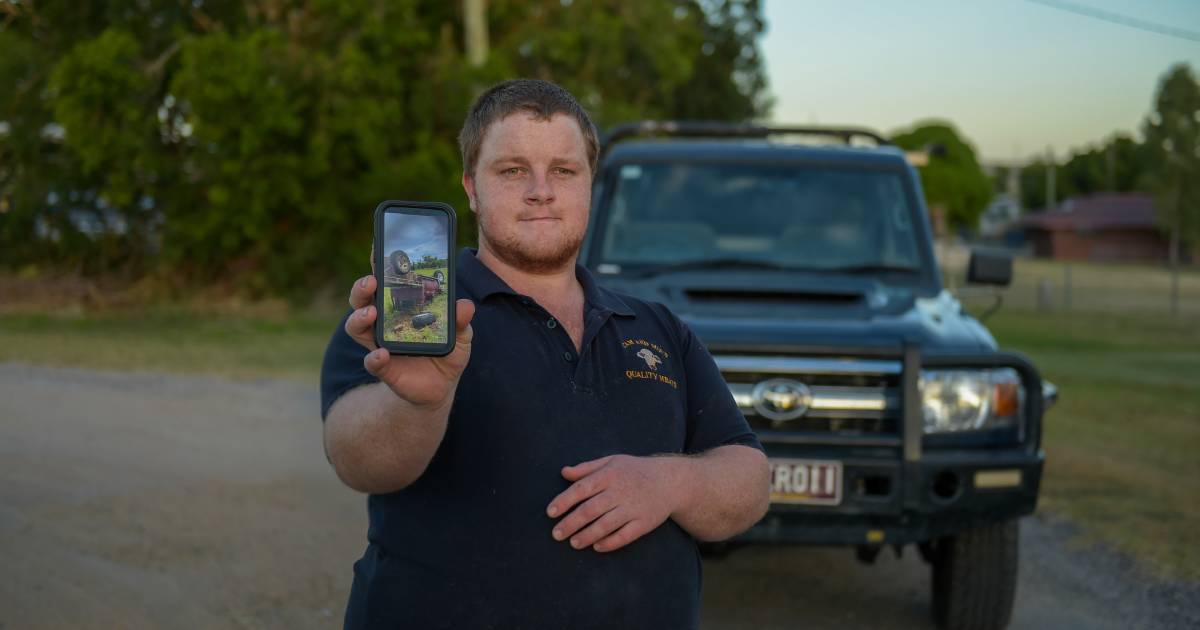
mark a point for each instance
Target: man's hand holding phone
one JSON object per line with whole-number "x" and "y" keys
{"x": 419, "y": 380}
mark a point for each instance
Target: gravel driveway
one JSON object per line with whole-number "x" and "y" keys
{"x": 156, "y": 501}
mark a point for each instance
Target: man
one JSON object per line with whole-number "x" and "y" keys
{"x": 555, "y": 469}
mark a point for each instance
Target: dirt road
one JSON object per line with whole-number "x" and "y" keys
{"x": 154, "y": 501}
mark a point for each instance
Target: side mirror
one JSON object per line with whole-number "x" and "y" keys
{"x": 990, "y": 267}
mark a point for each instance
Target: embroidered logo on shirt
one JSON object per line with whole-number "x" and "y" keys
{"x": 654, "y": 356}
{"x": 650, "y": 358}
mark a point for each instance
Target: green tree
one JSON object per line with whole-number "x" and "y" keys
{"x": 953, "y": 178}
{"x": 730, "y": 83}
{"x": 634, "y": 60}
{"x": 1172, "y": 133}
{"x": 247, "y": 143}
{"x": 1116, "y": 165}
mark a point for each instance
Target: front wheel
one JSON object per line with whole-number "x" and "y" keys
{"x": 975, "y": 577}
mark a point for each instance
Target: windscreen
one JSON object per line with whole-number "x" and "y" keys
{"x": 791, "y": 216}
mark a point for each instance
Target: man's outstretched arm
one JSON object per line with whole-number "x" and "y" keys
{"x": 380, "y": 437}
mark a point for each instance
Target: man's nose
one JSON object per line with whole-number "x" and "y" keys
{"x": 540, "y": 191}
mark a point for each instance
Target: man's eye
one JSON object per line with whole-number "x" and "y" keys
{"x": 511, "y": 171}
{"x": 563, "y": 171}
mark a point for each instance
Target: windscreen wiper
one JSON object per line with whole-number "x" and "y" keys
{"x": 713, "y": 263}
{"x": 872, "y": 268}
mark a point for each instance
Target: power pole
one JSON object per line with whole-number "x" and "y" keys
{"x": 1012, "y": 184}
{"x": 1110, "y": 162}
{"x": 1051, "y": 176}
{"x": 475, "y": 31}
{"x": 1176, "y": 219}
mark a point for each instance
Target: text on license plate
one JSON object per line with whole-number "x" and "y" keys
{"x": 813, "y": 482}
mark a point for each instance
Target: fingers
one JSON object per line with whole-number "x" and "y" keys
{"x": 579, "y": 471}
{"x": 628, "y": 533}
{"x": 464, "y": 310}
{"x": 363, "y": 292}
{"x": 588, "y": 512}
{"x": 579, "y": 491}
{"x": 609, "y": 507}
{"x": 378, "y": 362}
{"x": 361, "y": 326}
{"x": 600, "y": 528}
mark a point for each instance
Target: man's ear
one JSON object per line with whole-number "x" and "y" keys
{"x": 469, "y": 186}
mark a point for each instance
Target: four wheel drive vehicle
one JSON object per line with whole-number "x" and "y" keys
{"x": 406, "y": 288}
{"x": 888, "y": 413}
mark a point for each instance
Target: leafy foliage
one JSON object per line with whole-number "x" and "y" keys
{"x": 248, "y": 143}
{"x": 1173, "y": 139}
{"x": 953, "y": 177}
{"x": 1117, "y": 165}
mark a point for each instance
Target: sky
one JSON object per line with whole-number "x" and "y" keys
{"x": 417, "y": 235}
{"x": 1015, "y": 77}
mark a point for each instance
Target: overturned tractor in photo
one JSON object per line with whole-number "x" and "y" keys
{"x": 408, "y": 290}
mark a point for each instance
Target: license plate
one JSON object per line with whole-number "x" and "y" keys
{"x": 806, "y": 481}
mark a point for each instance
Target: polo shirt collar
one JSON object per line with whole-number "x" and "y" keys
{"x": 477, "y": 279}
{"x": 482, "y": 283}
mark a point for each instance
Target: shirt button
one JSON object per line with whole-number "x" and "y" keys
{"x": 568, "y": 357}
{"x": 551, "y": 323}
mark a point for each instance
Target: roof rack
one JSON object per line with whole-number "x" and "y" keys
{"x": 706, "y": 129}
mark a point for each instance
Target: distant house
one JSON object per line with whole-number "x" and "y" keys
{"x": 1109, "y": 227}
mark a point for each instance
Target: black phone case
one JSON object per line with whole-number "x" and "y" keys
{"x": 415, "y": 349}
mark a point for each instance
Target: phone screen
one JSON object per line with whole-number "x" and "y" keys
{"x": 414, "y": 270}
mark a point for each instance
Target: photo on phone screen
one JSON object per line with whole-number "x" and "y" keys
{"x": 413, "y": 253}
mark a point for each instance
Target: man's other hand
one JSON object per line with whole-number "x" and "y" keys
{"x": 615, "y": 500}
{"x": 421, "y": 381}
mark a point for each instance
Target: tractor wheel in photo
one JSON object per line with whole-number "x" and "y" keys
{"x": 441, "y": 279}
{"x": 401, "y": 265}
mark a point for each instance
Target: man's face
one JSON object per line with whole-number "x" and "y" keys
{"x": 531, "y": 190}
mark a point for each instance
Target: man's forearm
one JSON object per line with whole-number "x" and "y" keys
{"x": 378, "y": 442}
{"x": 724, "y": 491}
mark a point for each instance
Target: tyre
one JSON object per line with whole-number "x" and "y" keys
{"x": 440, "y": 277}
{"x": 401, "y": 264}
{"x": 975, "y": 577}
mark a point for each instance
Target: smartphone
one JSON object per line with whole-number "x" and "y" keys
{"x": 414, "y": 273}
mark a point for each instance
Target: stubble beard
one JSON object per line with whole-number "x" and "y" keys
{"x": 540, "y": 260}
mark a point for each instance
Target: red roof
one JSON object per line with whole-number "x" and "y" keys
{"x": 1105, "y": 211}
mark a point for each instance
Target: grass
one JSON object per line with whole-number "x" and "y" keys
{"x": 398, "y": 320}
{"x": 1091, "y": 287}
{"x": 234, "y": 346}
{"x": 1122, "y": 444}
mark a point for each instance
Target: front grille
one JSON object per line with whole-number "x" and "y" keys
{"x": 850, "y": 398}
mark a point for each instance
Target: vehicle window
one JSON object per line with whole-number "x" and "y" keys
{"x": 786, "y": 215}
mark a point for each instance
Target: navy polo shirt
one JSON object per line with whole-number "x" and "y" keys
{"x": 468, "y": 545}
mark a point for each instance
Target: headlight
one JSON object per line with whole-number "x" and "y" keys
{"x": 971, "y": 400}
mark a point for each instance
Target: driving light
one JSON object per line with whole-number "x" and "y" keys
{"x": 970, "y": 400}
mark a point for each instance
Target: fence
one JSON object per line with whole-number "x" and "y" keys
{"x": 1056, "y": 286}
